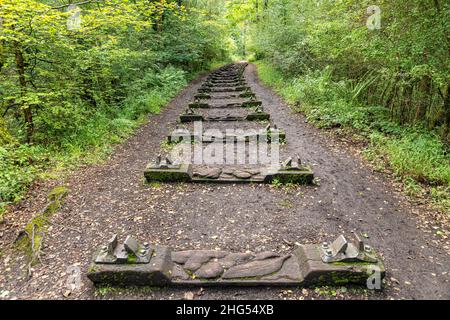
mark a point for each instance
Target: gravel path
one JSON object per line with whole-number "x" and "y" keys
{"x": 111, "y": 198}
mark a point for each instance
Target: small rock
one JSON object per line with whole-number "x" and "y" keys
{"x": 235, "y": 258}
{"x": 210, "y": 270}
{"x": 200, "y": 292}
{"x": 395, "y": 280}
{"x": 189, "y": 296}
{"x": 266, "y": 255}
{"x": 242, "y": 174}
{"x": 198, "y": 258}
{"x": 255, "y": 268}
{"x": 228, "y": 171}
{"x": 209, "y": 173}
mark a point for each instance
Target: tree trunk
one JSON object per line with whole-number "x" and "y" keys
{"x": 5, "y": 137}
{"x": 422, "y": 103}
{"x": 446, "y": 130}
{"x": 27, "y": 112}
{"x": 257, "y": 10}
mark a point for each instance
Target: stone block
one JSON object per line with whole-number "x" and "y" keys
{"x": 157, "y": 272}
{"x": 181, "y": 174}
{"x": 251, "y": 104}
{"x": 199, "y": 105}
{"x": 202, "y": 96}
{"x": 304, "y": 176}
{"x": 304, "y": 267}
{"x": 184, "y": 118}
{"x": 258, "y": 116}
{"x": 247, "y": 95}
{"x": 316, "y": 272}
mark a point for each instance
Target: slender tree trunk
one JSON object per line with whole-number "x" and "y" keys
{"x": 27, "y": 112}
{"x": 257, "y": 10}
{"x": 5, "y": 137}
{"x": 2, "y": 54}
{"x": 422, "y": 104}
{"x": 446, "y": 130}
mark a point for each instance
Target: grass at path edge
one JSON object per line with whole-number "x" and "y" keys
{"x": 416, "y": 157}
{"x": 23, "y": 164}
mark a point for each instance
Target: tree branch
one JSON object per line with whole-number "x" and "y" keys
{"x": 74, "y": 4}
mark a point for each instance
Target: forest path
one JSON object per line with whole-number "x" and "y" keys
{"x": 112, "y": 198}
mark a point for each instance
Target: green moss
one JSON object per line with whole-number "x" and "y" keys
{"x": 356, "y": 263}
{"x": 203, "y": 96}
{"x": 92, "y": 268}
{"x": 199, "y": 105}
{"x": 251, "y": 104}
{"x": 167, "y": 176}
{"x": 168, "y": 146}
{"x": 132, "y": 259}
{"x": 38, "y": 224}
{"x": 5, "y": 137}
{"x": 278, "y": 179}
{"x": 286, "y": 203}
{"x": 104, "y": 290}
{"x": 339, "y": 278}
{"x": 247, "y": 95}
{"x": 259, "y": 117}
{"x": 155, "y": 185}
{"x": 58, "y": 193}
{"x": 416, "y": 156}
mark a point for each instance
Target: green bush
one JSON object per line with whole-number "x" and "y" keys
{"x": 401, "y": 66}
{"x": 415, "y": 155}
{"x": 19, "y": 166}
{"x": 89, "y": 88}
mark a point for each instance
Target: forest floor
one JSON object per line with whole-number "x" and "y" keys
{"x": 111, "y": 198}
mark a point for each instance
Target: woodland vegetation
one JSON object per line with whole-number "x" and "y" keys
{"x": 72, "y": 82}
{"x": 67, "y": 93}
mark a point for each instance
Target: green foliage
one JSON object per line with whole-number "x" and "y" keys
{"x": 18, "y": 167}
{"x": 415, "y": 155}
{"x": 5, "y": 137}
{"x": 403, "y": 66}
{"x": 35, "y": 228}
{"x": 69, "y": 93}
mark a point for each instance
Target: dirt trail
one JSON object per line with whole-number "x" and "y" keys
{"x": 112, "y": 198}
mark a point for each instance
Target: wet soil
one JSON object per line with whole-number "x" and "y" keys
{"x": 112, "y": 198}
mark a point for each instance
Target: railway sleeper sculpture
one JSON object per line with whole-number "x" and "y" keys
{"x": 246, "y": 104}
{"x": 306, "y": 266}
{"x": 288, "y": 172}
{"x": 165, "y": 170}
{"x": 257, "y": 115}
{"x": 215, "y": 83}
{"x": 270, "y": 134}
{"x": 206, "y": 89}
{"x": 204, "y": 96}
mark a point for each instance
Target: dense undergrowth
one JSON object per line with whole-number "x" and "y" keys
{"x": 416, "y": 156}
{"x": 76, "y": 81}
{"x": 376, "y": 69}
{"x": 21, "y": 164}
